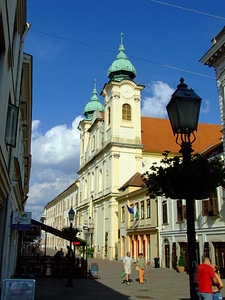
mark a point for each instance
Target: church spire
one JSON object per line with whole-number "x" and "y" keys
{"x": 93, "y": 105}
{"x": 121, "y": 68}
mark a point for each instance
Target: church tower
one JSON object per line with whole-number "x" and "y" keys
{"x": 111, "y": 152}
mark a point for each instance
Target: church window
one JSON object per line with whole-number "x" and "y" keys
{"x": 126, "y": 112}
{"x": 109, "y": 116}
{"x": 93, "y": 143}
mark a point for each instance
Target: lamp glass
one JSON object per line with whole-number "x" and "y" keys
{"x": 183, "y": 114}
{"x": 71, "y": 214}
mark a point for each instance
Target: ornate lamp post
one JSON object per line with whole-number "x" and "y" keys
{"x": 183, "y": 110}
{"x": 71, "y": 215}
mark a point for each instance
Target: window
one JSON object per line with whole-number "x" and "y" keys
{"x": 126, "y": 112}
{"x": 181, "y": 210}
{"x": 11, "y": 125}
{"x": 93, "y": 143}
{"x": 100, "y": 178}
{"x": 210, "y": 206}
{"x": 164, "y": 212}
{"x": 109, "y": 116}
{"x": 122, "y": 214}
{"x": 142, "y": 210}
{"x": 148, "y": 208}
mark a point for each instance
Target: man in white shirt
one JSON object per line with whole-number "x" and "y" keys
{"x": 128, "y": 266}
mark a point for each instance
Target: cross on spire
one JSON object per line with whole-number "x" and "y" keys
{"x": 121, "y": 38}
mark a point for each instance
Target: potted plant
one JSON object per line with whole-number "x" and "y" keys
{"x": 181, "y": 262}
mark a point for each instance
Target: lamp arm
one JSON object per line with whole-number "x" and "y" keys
{"x": 185, "y": 138}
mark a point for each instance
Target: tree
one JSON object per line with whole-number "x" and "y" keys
{"x": 196, "y": 179}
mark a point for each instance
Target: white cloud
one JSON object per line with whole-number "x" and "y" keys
{"x": 155, "y": 106}
{"x": 206, "y": 106}
{"x": 55, "y": 154}
{"x": 55, "y": 161}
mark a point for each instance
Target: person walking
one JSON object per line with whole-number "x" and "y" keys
{"x": 206, "y": 277}
{"x": 141, "y": 264}
{"x": 217, "y": 295}
{"x": 127, "y": 267}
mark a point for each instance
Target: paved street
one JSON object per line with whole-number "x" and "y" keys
{"x": 160, "y": 284}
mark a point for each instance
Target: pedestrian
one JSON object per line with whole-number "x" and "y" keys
{"x": 128, "y": 267}
{"x": 206, "y": 277}
{"x": 141, "y": 264}
{"x": 37, "y": 251}
{"x": 217, "y": 295}
{"x": 70, "y": 254}
{"x": 61, "y": 253}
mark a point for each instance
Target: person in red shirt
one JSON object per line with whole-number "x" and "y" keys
{"x": 206, "y": 277}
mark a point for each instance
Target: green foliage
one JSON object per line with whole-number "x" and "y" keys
{"x": 196, "y": 179}
{"x": 182, "y": 259}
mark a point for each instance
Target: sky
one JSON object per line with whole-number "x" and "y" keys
{"x": 75, "y": 42}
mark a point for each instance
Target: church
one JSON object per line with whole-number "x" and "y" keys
{"x": 117, "y": 145}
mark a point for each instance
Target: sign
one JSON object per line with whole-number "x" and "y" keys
{"x": 19, "y": 289}
{"x": 76, "y": 243}
{"x": 21, "y": 220}
{"x": 94, "y": 270}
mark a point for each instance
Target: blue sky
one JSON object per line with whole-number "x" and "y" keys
{"x": 75, "y": 42}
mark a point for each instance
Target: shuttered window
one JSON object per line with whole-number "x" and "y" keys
{"x": 210, "y": 206}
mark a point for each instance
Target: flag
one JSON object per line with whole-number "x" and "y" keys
{"x": 130, "y": 209}
{"x": 136, "y": 211}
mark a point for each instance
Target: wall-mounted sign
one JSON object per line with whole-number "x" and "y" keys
{"x": 19, "y": 289}
{"x": 21, "y": 220}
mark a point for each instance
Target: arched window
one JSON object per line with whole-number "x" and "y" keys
{"x": 126, "y": 112}
{"x": 109, "y": 115}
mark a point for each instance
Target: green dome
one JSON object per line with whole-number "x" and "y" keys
{"x": 93, "y": 105}
{"x": 121, "y": 68}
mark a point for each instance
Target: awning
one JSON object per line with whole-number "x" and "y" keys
{"x": 57, "y": 232}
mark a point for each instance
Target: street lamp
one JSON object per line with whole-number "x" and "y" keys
{"x": 183, "y": 111}
{"x": 71, "y": 215}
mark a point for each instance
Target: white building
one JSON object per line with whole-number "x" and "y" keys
{"x": 115, "y": 144}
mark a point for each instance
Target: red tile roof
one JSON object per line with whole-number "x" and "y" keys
{"x": 135, "y": 180}
{"x": 157, "y": 136}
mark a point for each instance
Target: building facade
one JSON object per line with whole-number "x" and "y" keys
{"x": 55, "y": 214}
{"x": 15, "y": 124}
{"x": 215, "y": 58}
{"x": 116, "y": 144}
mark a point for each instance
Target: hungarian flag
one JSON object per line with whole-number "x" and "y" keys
{"x": 136, "y": 211}
{"x": 130, "y": 209}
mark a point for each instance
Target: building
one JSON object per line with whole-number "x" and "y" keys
{"x": 55, "y": 214}
{"x": 117, "y": 144}
{"x": 138, "y": 220}
{"x": 215, "y": 58}
{"x": 15, "y": 124}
